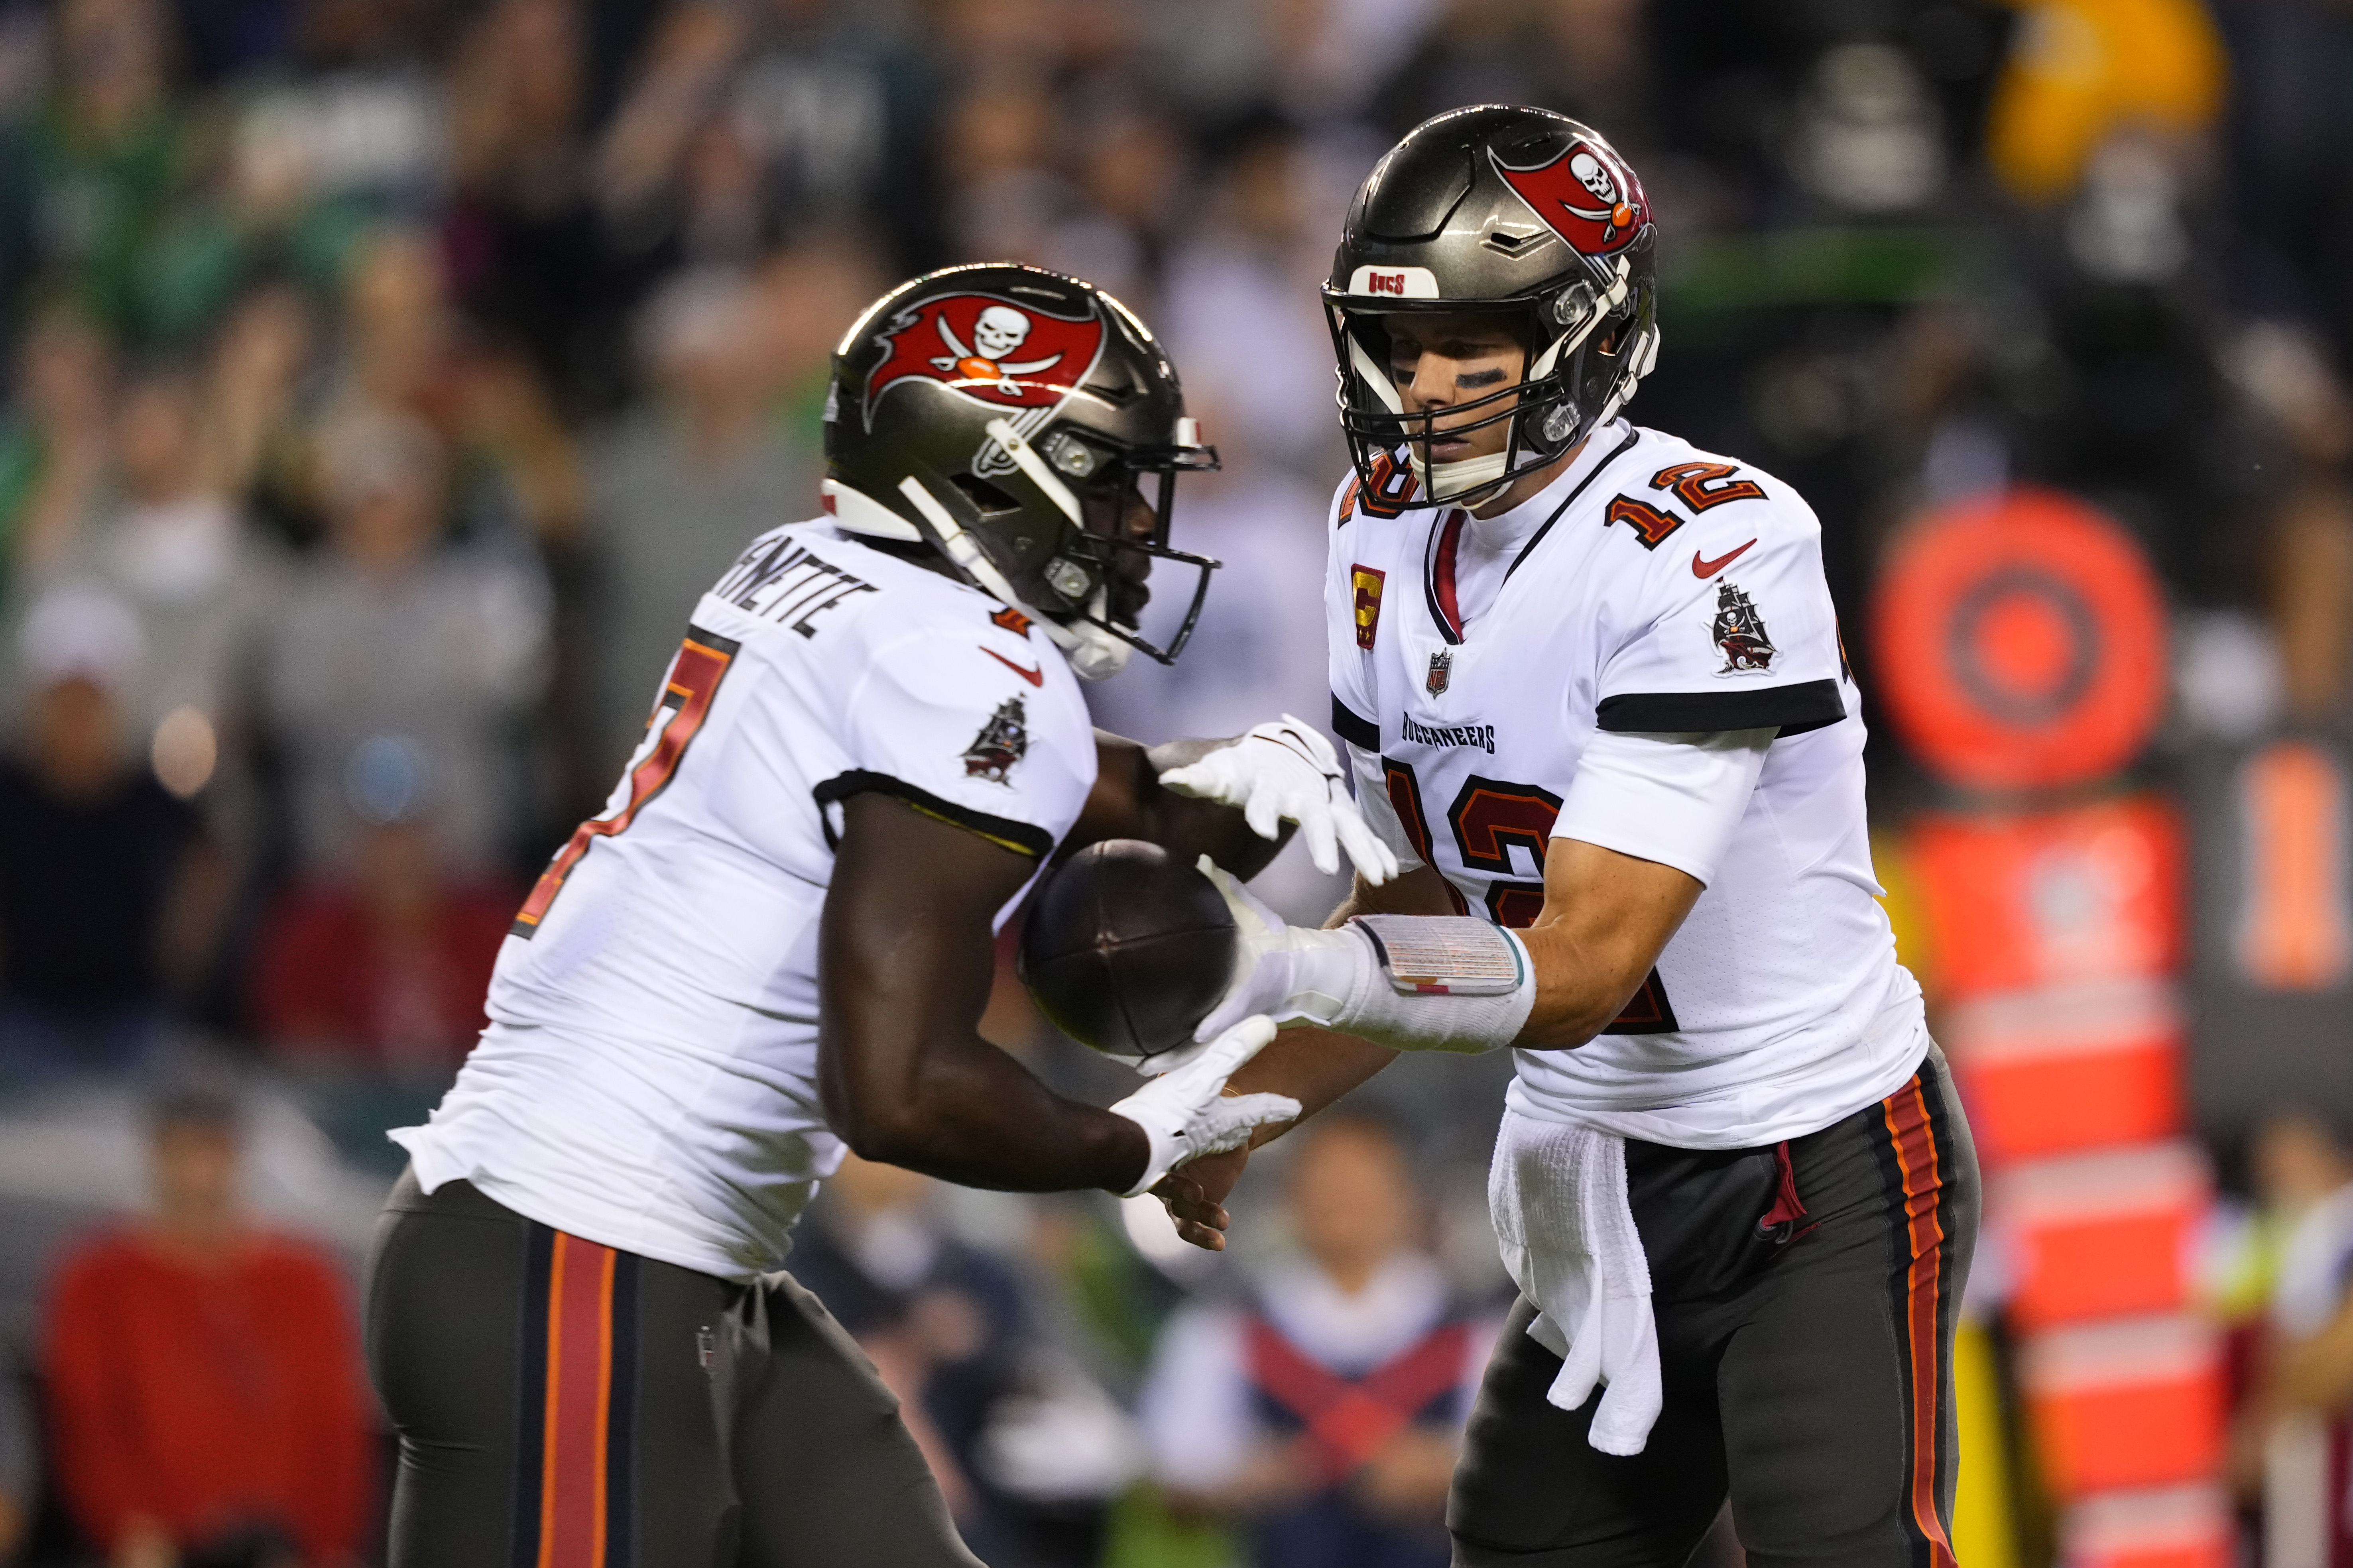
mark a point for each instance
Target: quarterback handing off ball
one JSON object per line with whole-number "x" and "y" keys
{"x": 1127, "y": 949}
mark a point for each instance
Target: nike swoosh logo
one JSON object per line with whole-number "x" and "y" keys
{"x": 1702, "y": 567}
{"x": 1036, "y": 675}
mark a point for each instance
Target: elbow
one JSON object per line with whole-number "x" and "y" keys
{"x": 884, "y": 1139}
{"x": 888, "y": 1136}
{"x": 1562, "y": 1032}
{"x": 1583, "y": 986}
{"x": 1565, "y": 1021}
{"x": 887, "y": 1130}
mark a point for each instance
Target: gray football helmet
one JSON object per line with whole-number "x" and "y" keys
{"x": 1004, "y": 416}
{"x": 1517, "y": 211}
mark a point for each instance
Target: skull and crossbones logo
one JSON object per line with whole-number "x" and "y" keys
{"x": 1595, "y": 176}
{"x": 998, "y": 333}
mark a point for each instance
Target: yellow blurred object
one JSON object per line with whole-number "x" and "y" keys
{"x": 1891, "y": 858}
{"x": 1984, "y": 1529}
{"x": 2079, "y": 69}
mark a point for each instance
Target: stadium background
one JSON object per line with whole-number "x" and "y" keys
{"x": 386, "y": 377}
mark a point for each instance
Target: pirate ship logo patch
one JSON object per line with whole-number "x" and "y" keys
{"x": 1442, "y": 670}
{"x": 1739, "y": 631}
{"x": 1002, "y": 742}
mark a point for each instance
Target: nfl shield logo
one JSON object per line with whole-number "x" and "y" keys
{"x": 1441, "y": 665}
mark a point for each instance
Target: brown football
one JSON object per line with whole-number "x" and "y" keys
{"x": 1126, "y": 948}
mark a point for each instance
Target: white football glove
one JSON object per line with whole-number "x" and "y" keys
{"x": 1287, "y": 972}
{"x": 1185, "y": 1112}
{"x": 1285, "y": 770}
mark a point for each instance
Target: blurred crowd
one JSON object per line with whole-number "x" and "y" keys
{"x": 386, "y": 378}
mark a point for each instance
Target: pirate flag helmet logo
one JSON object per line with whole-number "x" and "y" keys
{"x": 1587, "y": 195}
{"x": 1016, "y": 423}
{"x": 1004, "y": 355}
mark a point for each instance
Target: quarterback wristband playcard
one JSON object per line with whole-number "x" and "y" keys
{"x": 1444, "y": 955}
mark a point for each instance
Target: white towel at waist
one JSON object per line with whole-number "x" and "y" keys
{"x": 1557, "y": 1197}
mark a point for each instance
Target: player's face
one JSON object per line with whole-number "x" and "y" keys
{"x": 1122, "y": 514}
{"x": 1445, "y": 362}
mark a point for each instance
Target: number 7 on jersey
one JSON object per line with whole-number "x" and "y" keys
{"x": 702, "y": 662}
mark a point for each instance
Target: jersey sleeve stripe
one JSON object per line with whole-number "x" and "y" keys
{"x": 1353, "y": 728}
{"x": 1793, "y": 709}
{"x": 1021, "y": 838}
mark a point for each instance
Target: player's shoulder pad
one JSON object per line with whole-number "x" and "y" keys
{"x": 955, "y": 649}
{"x": 1343, "y": 510}
{"x": 1392, "y": 490}
{"x": 1672, "y": 498}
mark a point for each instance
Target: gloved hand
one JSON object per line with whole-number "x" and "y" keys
{"x": 1185, "y": 1112}
{"x": 1285, "y": 770}
{"x": 1285, "y": 972}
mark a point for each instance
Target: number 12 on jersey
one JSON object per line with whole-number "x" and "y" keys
{"x": 1487, "y": 819}
{"x": 701, "y": 663}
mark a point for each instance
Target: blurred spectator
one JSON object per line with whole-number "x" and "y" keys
{"x": 255, "y": 391}
{"x": 367, "y": 125}
{"x": 20, "y": 1462}
{"x": 107, "y": 154}
{"x": 1581, "y": 56}
{"x": 381, "y": 972}
{"x": 174, "y": 551}
{"x": 1025, "y": 1450}
{"x": 406, "y": 351}
{"x": 109, "y": 898}
{"x": 2285, "y": 372}
{"x": 2294, "y": 1443}
{"x": 1004, "y": 195}
{"x": 522, "y": 227}
{"x": 396, "y": 676}
{"x": 750, "y": 124}
{"x": 53, "y": 447}
{"x": 682, "y": 483}
{"x": 203, "y": 1376}
{"x": 1240, "y": 319}
{"x": 1327, "y": 1412}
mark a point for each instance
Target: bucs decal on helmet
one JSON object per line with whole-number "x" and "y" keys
{"x": 1000, "y": 353}
{"x": 1587, "y": 195}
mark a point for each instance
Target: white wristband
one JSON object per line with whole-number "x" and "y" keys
{"x": 1430, "y": 983}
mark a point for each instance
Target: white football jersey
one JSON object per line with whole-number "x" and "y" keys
{"x": 649, "y": 1080}
{"x": 1652, "y": 589}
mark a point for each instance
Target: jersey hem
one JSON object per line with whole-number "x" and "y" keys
{"x": 1792, "y": 710}
{"x": 1021, "y": 838}
{"x": 1659, "y": 1125}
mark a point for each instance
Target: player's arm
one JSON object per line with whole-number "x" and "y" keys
{"x": 1606, "y": 919}
{"x": 1316, "y": 1066}
{"x": 1312, "y": 1066}
{"x": 906, "y": 958}
{"x": 1646, "y": 822}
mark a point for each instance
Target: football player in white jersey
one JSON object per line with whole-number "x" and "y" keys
{"x": 777, "y": 937}
{"x": 1592, "y": 688}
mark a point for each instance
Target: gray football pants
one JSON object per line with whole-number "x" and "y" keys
{"x": 1806, "y": 1359}
{"x": 562, "y": 1404}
